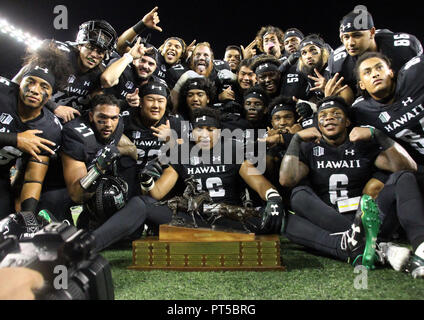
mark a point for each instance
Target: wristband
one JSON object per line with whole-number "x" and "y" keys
{"x": 148, "y": 185}
{"x": 372, "y": 129}
{"x": 128, "y": 57}
{"x": 89, "y": 179}
{"x": 271, "y": 193}
{"x": 384, "y": 141}
{"x": 139, "y": 27}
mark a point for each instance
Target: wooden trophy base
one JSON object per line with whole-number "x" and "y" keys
{"x": 198, "y": 249}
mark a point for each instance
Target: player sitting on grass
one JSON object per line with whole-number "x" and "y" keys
{"x": 338, "y": 165}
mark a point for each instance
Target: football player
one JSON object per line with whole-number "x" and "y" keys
{"x": 268, "y": 75}
{"x": 28, "y": 131}
{"x": 283, "y": 126}
{"x": 196, "y": 93}
{"x": 359, "y": 35}
{"x": 91, "y": 143}
{"x": 148, "y": 127}
{"x": 231, "y": 97}
{"x": 306, "y": 80}
{"x": 292, "y": 39}
{"x": 392, "y": 103}
{"x": 270, "y": 41}
{"x": 172, "y": 51}
{"x": 126, "y": 74}
{"x": 202, "y": 63}
{"x": 205, "y": 163}
{"x": 233, "y": 55}
{"x": 338, "y": 164}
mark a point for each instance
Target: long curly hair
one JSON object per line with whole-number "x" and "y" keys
{"x": 49, "y": 56}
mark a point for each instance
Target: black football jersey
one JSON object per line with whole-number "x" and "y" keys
{"x": 80, "y": 85}
{"x": 402, "y": 120}
{"x": 399, "y": 47}
{"x": 296, "y": 84}
{"x": 339, "y": 173}
{"x": 161, "y": 68}
{"x": 148, "y": 146}
{"x": 127, "y": 82}
{"x": 216, "y": 174}
{"x": 11, "y": 122}
{"x": 80, "y": 141}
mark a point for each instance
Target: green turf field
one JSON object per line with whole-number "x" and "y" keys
{"x": 307, "y": 277}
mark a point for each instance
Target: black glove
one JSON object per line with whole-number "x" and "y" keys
{"x": 106, "y": 158}
{"x": 273, "y": 214}
{"x": 150, "y": 172}
{"x": 304, "y": 110}
{"x": 291, "y": 60}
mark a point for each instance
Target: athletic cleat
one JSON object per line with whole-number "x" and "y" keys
{"x": 393, "y": 254}
{"x": 415, "y": 267}
{"x": 371, "y": 226}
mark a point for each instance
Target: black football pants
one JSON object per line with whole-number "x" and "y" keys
{"x": 140, "y": 210}
{"x": 400, "y": 203}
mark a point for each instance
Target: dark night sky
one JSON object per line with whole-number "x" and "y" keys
{"x": 219, "y": 22}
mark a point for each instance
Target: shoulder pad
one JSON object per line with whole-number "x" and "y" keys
{"x": 64, "y": 46}
{"x": 357, "y": 101}
{"x": 157, "y": 79}
{"x": 383, "y": 31}
{"x": 178, "y": 67}
{"x": 337, "y": 57}
{"x": 221, "y": 64}
{"x": 6, "y": 82}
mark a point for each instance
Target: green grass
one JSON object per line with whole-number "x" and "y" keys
{"x": 307, "y": 277}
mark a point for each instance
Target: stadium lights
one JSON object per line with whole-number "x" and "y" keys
{"x": 20, "y": 36}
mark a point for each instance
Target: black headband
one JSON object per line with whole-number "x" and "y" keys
{"x": 255, "y": 94}
{"x": 153, "y": 88}
{"x": 282, "y": 107}
{"x": 265, "y": 67}
{"x": 195, "y": 84}
{"x": 43, "y": 73}
{"x": 332, "y": 104}
{"x": 206, "y": 121}
{"x": 356, "y": 21}
{"x": 308, "y": 42}
{"x": 179, "y": 40}
{"x": 293, "y": 33}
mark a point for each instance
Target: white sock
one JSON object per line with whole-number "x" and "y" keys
{"x": 420, "y": 251}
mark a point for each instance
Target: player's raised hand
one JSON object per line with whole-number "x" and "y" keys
{"x": 66, "y": 113}
{"x": 334, "y": 86}
{"x": 133, "y": 99}
{"x": 163, "y": 132}
{"x": 249, "y": 51}
{"x": 320, "y": 81}
{"x": 190, "y": 49}
{"x": 151, "y": 20}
